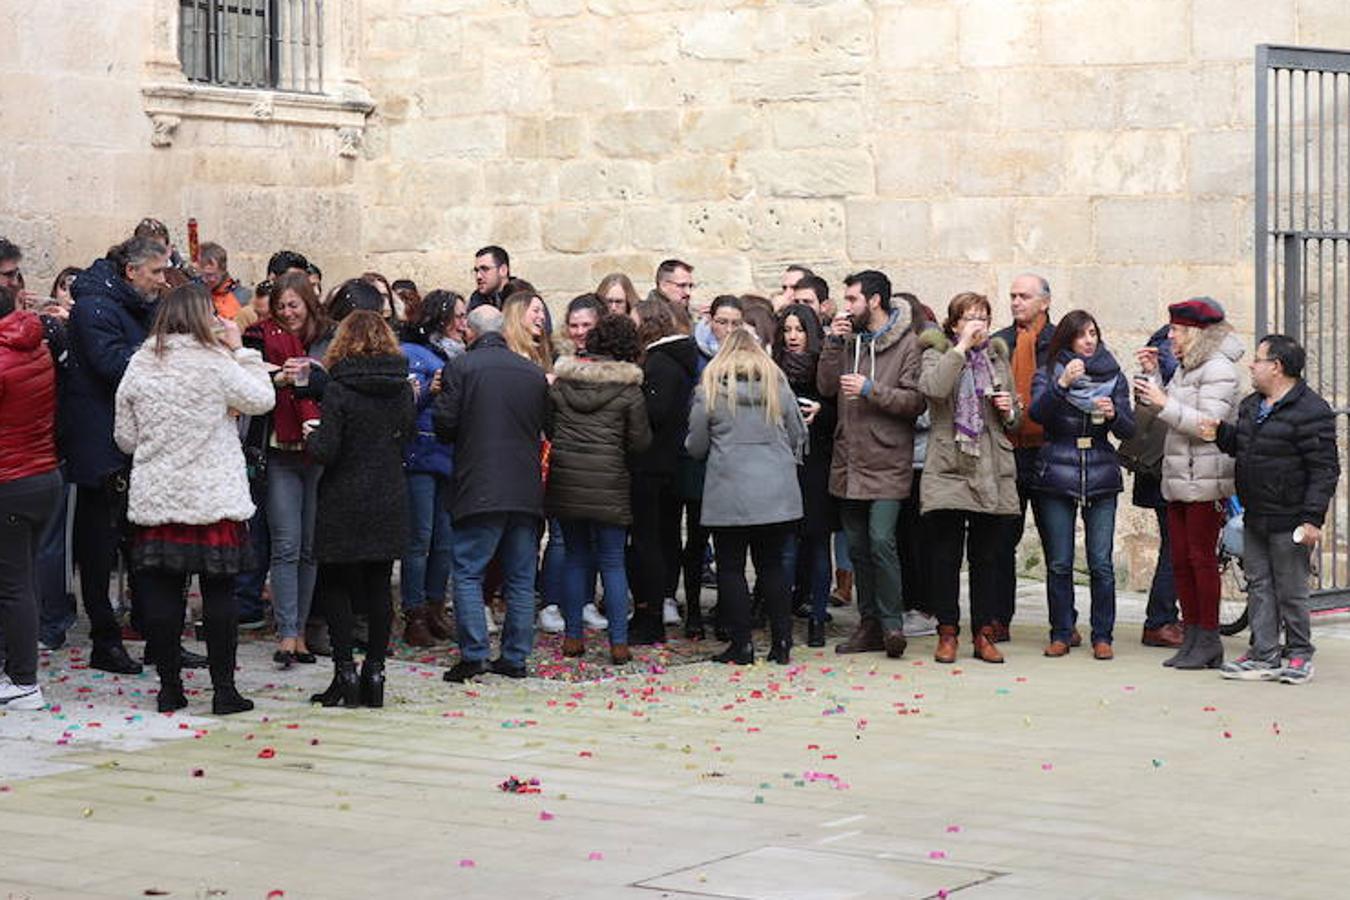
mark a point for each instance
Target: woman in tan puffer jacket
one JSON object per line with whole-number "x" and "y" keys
{"x": 1196, "y": 474}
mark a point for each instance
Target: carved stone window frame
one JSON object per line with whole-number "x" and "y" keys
{"x": 169, "y": 98}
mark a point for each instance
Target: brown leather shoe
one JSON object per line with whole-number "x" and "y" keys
{"x": 1169, "y": 635}
{"x": 842, "y": 595}
{"x": 1057, "y": 648}
{"x": 416, "y": 633}
{"x": 1000, "y": 632}
{"x": 574, "y": 647}
{"x": 895, "y": 643}
{"x": 1102, "y": 650}
{"x": 619, "y": 654}
{"x": 985, "y": 651}
{"x": 440, "y": 624}
{"x": 946, "y": 646}
{"x": 866, "y": 639}
{"x": 1075, "y": 639}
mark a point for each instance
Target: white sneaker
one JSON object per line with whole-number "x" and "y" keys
{"x": 590, "y": 615}
{"x": 670, "y": 613}
{"x": 918, "y": 624}
{"x": 551, "y": 620}
{"x": 21, "y": 696}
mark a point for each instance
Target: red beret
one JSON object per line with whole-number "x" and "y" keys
{"x": 1197, "y": 312}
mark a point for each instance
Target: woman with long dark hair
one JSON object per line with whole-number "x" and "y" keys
{"x": 290, "y": 337}
{"x": 796, "y": 349}
{"x": 1079, "y": 398}
{"x": 362, "y": 522}
{"x": 746, "y": 423}
{"x": 969, "y": 475}
{"x": 189, "y": 498}
{"x": 424, "y": 575}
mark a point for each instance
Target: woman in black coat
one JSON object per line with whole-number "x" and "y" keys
{"x": 361, "y": 525}
{"x": 796, "y": 349}
{"x": 598, "y": 418}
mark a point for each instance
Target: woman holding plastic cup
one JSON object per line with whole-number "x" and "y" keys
{"x": 1079, "y": 398}
{"x": 297, "y": 323}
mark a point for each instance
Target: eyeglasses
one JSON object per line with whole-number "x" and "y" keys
{"x": 683, "y": 285}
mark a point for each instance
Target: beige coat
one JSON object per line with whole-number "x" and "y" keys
{"x": 1207, "y": 384}
{"x": 953, "y": 479}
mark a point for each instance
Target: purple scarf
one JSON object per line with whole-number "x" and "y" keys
{"x": 977, "y": 382}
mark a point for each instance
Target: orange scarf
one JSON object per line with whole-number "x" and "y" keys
{"x": 1029, "y": 433}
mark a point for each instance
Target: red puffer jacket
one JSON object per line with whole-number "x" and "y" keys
{"x": 27, "y": 399}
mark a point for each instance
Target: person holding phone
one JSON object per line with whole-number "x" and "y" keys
{"x": 1196, "y": 474}
{"x": 1080, "y": 397}
{"x": 970, "y": 476}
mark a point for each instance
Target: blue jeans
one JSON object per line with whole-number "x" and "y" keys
{"x": 56, "y": 608}
{"x": 514, "y": 539}
{"x": 590, "y": 546}
{"x": 1162, "y": 593}
{"x": 552, "y": 577}
{"x": 1099, "y": 527}
{"x": 292, "y": 497}
{"x": 808, "y": 570}
{"x": 841, "y": 558}
{"x": 248, "y": 586}
{"x": 425, "y": 571}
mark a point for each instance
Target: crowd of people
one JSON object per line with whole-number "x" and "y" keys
{"x": 293, "y": 443}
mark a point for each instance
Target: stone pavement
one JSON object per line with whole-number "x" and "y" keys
{"x": 831, "y": 778}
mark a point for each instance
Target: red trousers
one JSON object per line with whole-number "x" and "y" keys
{"x": 1193, "y": 529}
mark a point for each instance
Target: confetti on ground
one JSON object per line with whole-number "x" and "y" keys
{"x": 937, "y": 854}
{"x": 1046, "y": 767}
{"x": 546, "y": 816}
{"x": 467, "y": 864}
{"x": 267, "y": 753}
{"x": 595, "y": 856}
{"x": 514, "y": 785}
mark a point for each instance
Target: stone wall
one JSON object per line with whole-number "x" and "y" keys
{"x": 953, "y": 143}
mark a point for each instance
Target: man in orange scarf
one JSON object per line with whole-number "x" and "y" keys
{"x": 228, "y": 295}
{"x": 1029, "y": 339}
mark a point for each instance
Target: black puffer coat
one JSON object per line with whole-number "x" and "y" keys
{"x": 669, "y": 373}
{"x": 363, "y": 496}
{"x": 599, "y": 417}
{"x": 1287, "y": 465}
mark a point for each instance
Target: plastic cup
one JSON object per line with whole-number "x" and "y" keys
{"x": 301, "y": 378}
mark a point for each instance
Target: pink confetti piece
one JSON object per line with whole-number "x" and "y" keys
{"x": 942, "y": 894}
{"x": 467, "y": 864}
{"x": 1046, "y": 767}
{"x": 953, "y": 829}
{"x": 546, "y": 816}
{"x": 595, "y": 856}
{"x": 937, "y": 854}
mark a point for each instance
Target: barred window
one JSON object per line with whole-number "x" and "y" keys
{"x": 270, "y": 44}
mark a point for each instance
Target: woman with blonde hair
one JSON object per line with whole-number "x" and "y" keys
{"x": 525, "y": 327}
{"x": 745, "y": 421}
{"x": 362, "y": 522}
{"x": 189, "y": 497}
{"x": 969, "y": 475}
{"x": 617, "y": 293}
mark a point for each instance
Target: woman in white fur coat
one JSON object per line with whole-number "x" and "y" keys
{"x": 189, "y": 501}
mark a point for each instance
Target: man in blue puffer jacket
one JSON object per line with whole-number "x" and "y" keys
{"x": 114, "y": 307}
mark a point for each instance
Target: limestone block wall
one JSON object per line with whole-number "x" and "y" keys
{"x": 954, "y": 143}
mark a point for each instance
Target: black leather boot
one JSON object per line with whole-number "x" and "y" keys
{"x": 815, "y": 633}
{"x": 343, "y": 690}
{"x": 171, "y": 695}
{"x": 781, "y": 651}
{"x": 222, "y": 645}
{"x": 372, "y": 683}
{"x": 647, "y": 627}
{"x": 737, "y": 654}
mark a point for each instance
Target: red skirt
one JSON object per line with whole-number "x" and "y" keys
{"x": 221, "y": 548}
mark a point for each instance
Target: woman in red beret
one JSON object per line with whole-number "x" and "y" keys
{"x": 1196, "y": 474}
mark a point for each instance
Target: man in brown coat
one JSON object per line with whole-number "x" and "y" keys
{"x": 871, "y": 361}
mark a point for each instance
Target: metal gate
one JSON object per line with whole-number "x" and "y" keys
{"x": 1302, "y": 245}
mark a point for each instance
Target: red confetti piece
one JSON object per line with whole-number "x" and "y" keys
{"x": 1208, "y": 709}
{"x": 585, "y": 754}
{"x": 275, "y": 895}
{"x": 266, "y": 753}
{"x": 314, "y": 742}
{"x": 812, "y": 746}
{"x": 1228, "y": 734}
{"x": 293, "y": 725}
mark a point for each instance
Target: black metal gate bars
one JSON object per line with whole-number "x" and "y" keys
{"x": 1302, "y": 244}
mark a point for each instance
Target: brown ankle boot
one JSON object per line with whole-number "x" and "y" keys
{"x": 842, "y": 595}
{"x": 619, "y": 654}
{"x": 866, "y": 639}
{"x": 440, "y": 624}
{"x": 946, "y": 646}
{"x": 573, "y": 647}
{"x": 985, "y": 649}
{"x": 416, "y": 633}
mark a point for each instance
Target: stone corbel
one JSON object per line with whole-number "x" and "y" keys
{"x": 162, "y": 129}
{"x": 350, "y": 141}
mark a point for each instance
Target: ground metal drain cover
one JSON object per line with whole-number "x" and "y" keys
{"x": 792, "y": 873}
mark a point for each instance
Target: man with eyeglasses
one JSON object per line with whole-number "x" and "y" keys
{"x": 675, "y": 284}
{"x": 1287, "y": 468}
{"x": 1029, "y": 339}
{"x": 491, "y": 272}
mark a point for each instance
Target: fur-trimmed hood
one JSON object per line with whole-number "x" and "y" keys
{"x": 589, "y": 384}
{"x": 937, "y": 339}
{"x": 1211, "y": 341}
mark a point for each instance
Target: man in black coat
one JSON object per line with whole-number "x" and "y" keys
{"x": 493, "y": 407}
{"x": 1287, "y": 468}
